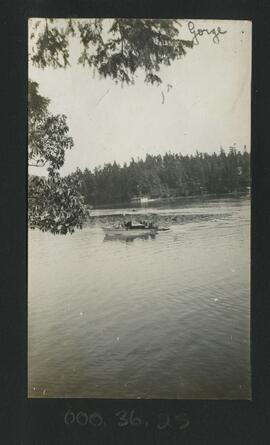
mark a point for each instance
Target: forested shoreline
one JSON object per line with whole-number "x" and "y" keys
{"x": 168, "y": 176}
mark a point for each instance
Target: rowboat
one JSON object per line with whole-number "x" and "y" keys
{"x": 127, "y": 232}
{"x": 132, "y": 230}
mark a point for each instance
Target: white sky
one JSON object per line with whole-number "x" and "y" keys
{"x": 208, "y": 106}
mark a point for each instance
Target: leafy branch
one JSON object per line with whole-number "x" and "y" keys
{"x": 117, "y": 52}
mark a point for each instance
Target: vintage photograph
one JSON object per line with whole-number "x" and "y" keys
{"x": 139, "y": 208}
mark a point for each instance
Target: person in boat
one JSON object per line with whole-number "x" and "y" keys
{"x": 118, "y": 225}
{"x": 137, "y": 225}
{"x": 128, "y": 224}
{"x": 147, "y": 224}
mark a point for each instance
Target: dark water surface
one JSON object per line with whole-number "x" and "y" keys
{"x": 164, "y": 317}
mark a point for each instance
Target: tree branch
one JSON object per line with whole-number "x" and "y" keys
{"x": 37, "y": 165}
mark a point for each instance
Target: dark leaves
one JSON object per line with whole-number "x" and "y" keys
{"x": 37, "y": 104}
{"x": 152, "y": 78}
{"x": 55, "y": 204}
{"x": 51, "y": 48}
{"x": 117, "y": 52}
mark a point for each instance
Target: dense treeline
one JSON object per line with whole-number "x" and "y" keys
{"x": 167, "y": 176}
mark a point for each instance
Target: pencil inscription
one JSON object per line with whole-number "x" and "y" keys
{"x": 199, "y": 32}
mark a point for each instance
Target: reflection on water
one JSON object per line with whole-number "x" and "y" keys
{"x": 151, "y": 317}
{"x": 128, "y": 238}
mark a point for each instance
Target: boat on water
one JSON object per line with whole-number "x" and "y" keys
{"x": 114, "y": 231}
{"x": 129, "y": 228}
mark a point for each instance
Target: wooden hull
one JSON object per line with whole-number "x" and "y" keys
{"x": 111, "y": 231}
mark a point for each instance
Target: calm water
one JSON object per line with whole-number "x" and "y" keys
{"x": 164, "y": 317}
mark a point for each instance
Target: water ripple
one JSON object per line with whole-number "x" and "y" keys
{"x": 164, "y": 317}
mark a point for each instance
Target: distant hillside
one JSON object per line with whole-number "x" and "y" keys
{"x": 167, "y": 176}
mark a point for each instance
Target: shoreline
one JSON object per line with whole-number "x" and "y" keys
{"x": 128, "y": 204}
{"x": 160, "y": 219}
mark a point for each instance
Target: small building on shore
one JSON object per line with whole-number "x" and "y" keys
{"x": 139, "y": 199}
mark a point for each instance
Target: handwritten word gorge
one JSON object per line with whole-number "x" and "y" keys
{"x": 199, "y": 32}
